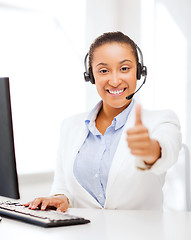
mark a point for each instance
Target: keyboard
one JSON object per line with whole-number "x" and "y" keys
{"x": 48, "y": 218}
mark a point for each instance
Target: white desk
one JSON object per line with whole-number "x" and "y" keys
{"x": 107, "y": 225}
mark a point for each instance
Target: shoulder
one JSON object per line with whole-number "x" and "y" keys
{"x": 74, "y": 126}
{"x": 160, "y": 115}
{"x": 158, "y": 118}
{"x": 75, "y": 118}
{"x": 74, "y": 121}
{"x": 78, "y": 120}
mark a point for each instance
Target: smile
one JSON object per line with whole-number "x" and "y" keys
{"x": 116, "y": 92}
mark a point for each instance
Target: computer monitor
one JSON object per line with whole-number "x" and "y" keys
{"x": 8, "y": 171}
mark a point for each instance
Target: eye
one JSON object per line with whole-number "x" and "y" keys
{"x": 103, "y": 70}
{"x": 125, "y": 69}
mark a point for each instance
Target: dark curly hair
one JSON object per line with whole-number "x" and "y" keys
{"x": 110, "y": 37}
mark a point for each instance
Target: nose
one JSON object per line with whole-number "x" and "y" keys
{"x": 114, "y": 80}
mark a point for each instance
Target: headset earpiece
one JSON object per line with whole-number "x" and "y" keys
{"x": 91, "y": 76}
{"x": 139, "y": 71}
{"x": 88, "y": 76}
{"x": 144, "y": 71}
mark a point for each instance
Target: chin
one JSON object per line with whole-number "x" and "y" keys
{"x": 120, "y": 104}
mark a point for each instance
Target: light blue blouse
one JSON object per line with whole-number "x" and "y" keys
{"x": 93, "y": 161}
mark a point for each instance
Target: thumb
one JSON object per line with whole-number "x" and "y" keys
{"x": 138, "y": 120}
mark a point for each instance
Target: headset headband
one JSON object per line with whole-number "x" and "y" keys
{"x": 141, "y": 69}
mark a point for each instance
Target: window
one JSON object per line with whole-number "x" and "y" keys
{"x": 167, "y": 71}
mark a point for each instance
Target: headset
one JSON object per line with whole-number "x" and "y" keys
{"x": 141, "y": 71}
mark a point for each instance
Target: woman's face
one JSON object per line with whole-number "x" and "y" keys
{"x": 114, "y": 68}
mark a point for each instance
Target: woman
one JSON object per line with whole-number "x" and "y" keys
{"x": 116, "y": 156}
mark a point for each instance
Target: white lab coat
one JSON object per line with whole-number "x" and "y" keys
{"x": 128, "y": 187}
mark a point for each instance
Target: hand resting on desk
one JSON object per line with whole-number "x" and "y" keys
{"x": 59, "y": 202}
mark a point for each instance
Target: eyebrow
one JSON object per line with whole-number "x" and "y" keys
{"x": 125, "y": 60}
{"x": 105, "y": 64}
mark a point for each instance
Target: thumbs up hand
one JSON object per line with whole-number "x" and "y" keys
{"x": 138, "y": 120}
{"x": 140, "y": 143}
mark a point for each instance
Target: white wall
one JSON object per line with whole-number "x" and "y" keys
{"x": 103, "y": 16}
{"x": 180, "y": 11}
{"x": 34, "y": 185}
{"x": 177, "y": 54}
{"x": 42, "y": 44}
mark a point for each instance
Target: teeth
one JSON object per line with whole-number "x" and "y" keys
{"x": 116, "y": 92}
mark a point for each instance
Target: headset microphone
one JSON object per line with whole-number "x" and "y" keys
{"x": 144, "y": 73}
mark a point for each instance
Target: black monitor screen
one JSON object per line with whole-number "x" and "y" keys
{"x": 8, "y": 172}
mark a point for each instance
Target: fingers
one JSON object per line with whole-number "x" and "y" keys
{"x": 136, "y": 130}
{"x": 138, "y": 120}
{"x": 44, "y": 205}
{"x": 35, "y": 203}
{"x": 139, "y": 141}
{"x": 62, "y": 208}
{"x": 138, "y": 138}
{"x": 61, "y": 204}
{"x": 27, "y": 204}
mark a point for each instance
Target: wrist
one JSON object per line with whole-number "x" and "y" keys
{"x": 62, "y": 196}
{"x": 155, "y": 153}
